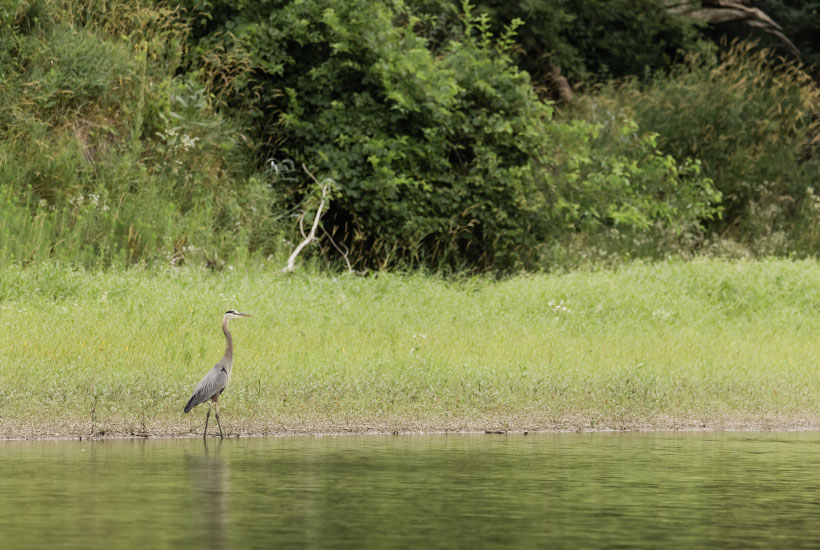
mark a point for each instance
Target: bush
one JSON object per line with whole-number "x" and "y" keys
{"x": 591, "y": 40}
{"x": 436, "y": 158}
{"x": 442, "y": 153}
{"x": 113, "y": 153}
{"x": 748, "y": 117}
{"x": 616, "y": 177}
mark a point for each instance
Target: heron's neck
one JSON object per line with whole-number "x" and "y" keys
{"x": 228, "y": 357}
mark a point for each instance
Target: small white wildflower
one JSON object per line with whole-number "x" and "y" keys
{"x": 661, "y": 314}
{"x": 188, "y": 142}
{"x": 558, "y": 307}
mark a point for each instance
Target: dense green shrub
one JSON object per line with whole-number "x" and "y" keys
{"x": 612, "y": 176}
{"x": 435, "y": 158}
{"x": 441, "y": 152}
{"x": 588, "y": 39}
{"x": 749, "y": 118}
{"x": 113, "y": 150}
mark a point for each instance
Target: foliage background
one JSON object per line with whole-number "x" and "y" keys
{"x": 174, "y": 132}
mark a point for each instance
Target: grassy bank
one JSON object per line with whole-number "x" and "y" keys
{"x": 704, "y": 343}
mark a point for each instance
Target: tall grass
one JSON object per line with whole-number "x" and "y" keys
{"x": 110, "y": 153}
{"x": 705, "y": 343}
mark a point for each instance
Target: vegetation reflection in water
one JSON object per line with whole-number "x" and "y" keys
{"x": 647, "y": 490}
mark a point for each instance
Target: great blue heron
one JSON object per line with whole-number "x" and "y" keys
{"x": 213, "y": 384}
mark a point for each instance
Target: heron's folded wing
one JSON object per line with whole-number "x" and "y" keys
{"x": 213, "y": 382}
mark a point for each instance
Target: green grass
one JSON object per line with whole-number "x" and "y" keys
{"x": 702, "y": 343}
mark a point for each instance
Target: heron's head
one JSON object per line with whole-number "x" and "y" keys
{"x": 231, "y": 314}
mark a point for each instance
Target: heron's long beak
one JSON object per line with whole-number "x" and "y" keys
{"x": 244, "y": 314}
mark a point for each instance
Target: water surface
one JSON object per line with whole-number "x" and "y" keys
{"x": 634, "y": 490}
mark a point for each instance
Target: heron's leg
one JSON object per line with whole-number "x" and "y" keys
{"x": 216, "y": 404}
{"x": 207, "y": 416}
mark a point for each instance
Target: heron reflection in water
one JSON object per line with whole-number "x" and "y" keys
{"x": 210, "y": 486}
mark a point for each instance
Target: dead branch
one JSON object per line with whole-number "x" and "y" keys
{"x": 345, "y": 253}
{"x": 722, "y": 11}
{"x": 325, "y": 185}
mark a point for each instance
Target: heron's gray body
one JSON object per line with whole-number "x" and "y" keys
{"x": 214, "y": 383}
{"x": 211, "y": 385}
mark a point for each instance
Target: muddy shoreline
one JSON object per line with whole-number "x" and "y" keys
{"x": 59, "y": 431}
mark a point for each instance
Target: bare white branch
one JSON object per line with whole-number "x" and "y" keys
{"x": 344, "y": 252}
{"x": 312, "y": 235}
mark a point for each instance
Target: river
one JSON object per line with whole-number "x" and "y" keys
{"x": 593, "y": 490}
